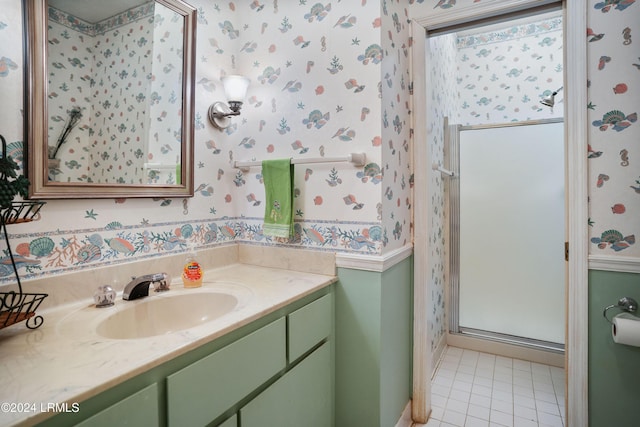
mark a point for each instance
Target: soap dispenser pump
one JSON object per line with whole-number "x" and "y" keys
{"x": 192, "y": 272}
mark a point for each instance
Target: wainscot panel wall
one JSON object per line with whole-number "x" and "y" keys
{"x": 373, "y": 345}
{"x": 614, "y": 369}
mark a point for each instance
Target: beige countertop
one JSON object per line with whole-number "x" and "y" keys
{"x": 65, "y": 361}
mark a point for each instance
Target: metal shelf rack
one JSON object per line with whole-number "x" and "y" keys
{"x": 17, "y": 306}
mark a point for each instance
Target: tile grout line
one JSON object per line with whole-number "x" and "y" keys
{"x": 498, "y": 402}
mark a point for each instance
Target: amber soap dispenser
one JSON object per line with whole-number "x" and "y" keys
{"x": 192, "y": 272}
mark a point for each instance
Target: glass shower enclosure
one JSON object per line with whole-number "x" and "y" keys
{"x": 507, "y": 227}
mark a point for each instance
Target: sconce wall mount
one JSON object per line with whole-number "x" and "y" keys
{"x": 235, "y": 88}
{"x": 220, "y": 114}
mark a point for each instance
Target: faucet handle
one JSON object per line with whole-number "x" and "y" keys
{"x": 161, "y": 282}
{"x": 104, "y": 296}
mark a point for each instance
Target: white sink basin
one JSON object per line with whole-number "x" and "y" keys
{"x": 162, "y": 315}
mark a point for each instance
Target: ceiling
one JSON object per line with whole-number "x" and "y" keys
{"x": 94, "y": 11}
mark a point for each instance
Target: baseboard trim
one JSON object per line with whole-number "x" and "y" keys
{"x": 506, "y": 350}
{"x": 437, "y": 354}
{"x": 405, "y": 419}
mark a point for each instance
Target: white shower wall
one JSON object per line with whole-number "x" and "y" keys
{"x": 441, "y": 63}
{"x": 504, "y": 73}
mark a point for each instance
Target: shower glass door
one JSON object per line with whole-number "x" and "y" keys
{"x": 512, "y": 230}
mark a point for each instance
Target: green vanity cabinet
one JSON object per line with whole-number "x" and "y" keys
{"x": 276, "y": 371}
{"x": 138, "y": 410}
{"x": 204, "y": 390}
{"x": 302, "y": 397}
{"x": 231, "y": 422}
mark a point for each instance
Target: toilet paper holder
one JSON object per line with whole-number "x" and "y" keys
{"x": 627, "y": 304}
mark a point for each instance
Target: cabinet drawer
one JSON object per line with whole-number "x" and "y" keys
{"x": 139, "y": 409}
{"x": 199, "y": 393}
{"x": 309, "y": 325}
{"x": 302, "y": 397}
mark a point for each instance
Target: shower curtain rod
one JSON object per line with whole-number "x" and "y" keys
{"x": 358, "y": 159}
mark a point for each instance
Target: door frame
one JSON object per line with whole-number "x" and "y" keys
{"x": 575, "y": 117}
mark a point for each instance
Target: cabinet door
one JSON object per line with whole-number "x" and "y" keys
{"x": 204, "y": 390}
{"x": 139, "y": 409}
{"x": 302, "y": 397}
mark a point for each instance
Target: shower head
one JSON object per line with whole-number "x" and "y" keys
{"x": 550, "y": 100}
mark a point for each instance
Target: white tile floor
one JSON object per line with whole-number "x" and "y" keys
{"x": 472, "y": 389}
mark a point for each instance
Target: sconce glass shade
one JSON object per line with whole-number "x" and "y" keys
{"x": 235, "y": 89}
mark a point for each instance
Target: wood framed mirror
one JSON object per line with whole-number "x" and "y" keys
{"x": 109, "y": 98}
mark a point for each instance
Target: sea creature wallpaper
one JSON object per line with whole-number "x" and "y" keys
{"x": 327, "y": 79}
{"x": 316, "y": 91}
{"x": 614, "y": 152}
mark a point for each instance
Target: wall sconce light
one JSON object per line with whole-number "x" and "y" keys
{"x": 550, "y": 100}
{"x": 235, "y": 88}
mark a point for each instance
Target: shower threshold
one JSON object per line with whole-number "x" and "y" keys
{"x": 512, "y": 339}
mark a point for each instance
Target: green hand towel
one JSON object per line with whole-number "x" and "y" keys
{"x": 278, "y": 186}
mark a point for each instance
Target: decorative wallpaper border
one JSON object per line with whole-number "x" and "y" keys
{"x": 64, "y": 251}
{"x": 334, "y": 236}
{"x": 513, "y": 33}
{"x": 126, "y": 17}
{"x": 70, "y": 21}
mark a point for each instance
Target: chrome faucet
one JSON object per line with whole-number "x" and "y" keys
{"x": 138, "y": 287}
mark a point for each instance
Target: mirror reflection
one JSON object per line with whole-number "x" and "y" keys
{"x": 113, "y": 107}
{"x": 110, "y": 98}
